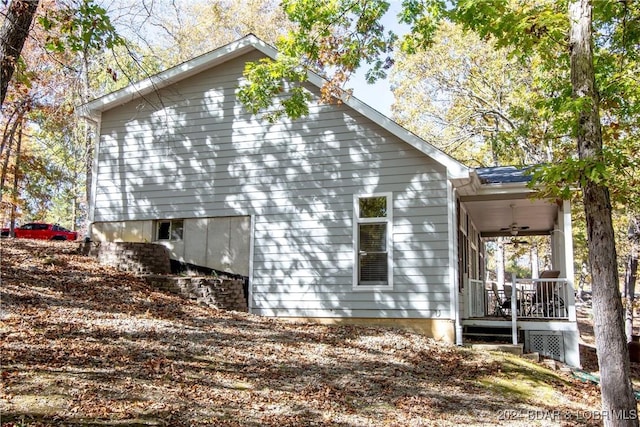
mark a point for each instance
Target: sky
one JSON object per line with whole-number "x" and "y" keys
{"x": 379, "y": 95}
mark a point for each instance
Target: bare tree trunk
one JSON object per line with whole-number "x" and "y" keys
{"x": 7, "y": 142}
{"x": 74, "y": 203}
{"x": 16, "y": 176}
{"x": 500, "y": 261}
{"x": 582, "y": 280}
{"x": 630, "y": 290}
{"x": 618, "y": 401}
{"x": 88, "y": 133}
{"x": 631, "y": 275}
{"x": 7, "y": 130}
{"x": 13, "y": 33}
{"x": 535, "y": 269}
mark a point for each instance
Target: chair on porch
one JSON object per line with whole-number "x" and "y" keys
{"x": 502, "y": 301}
{"x": 546, "y": 301}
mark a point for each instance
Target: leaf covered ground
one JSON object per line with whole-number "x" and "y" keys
{"x": 85, "y": 344}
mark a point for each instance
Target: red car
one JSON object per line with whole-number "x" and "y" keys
{"x": 36, "y": 230}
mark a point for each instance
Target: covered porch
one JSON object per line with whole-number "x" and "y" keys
{"x": 536, "y": 311}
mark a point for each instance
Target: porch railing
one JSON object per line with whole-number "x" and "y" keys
{"x": 543, "y": 298}
{"x": 534, "y": 299}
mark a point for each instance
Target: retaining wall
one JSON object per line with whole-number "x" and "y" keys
{"x": 136, "y": 257}
{"x": 153, "y": 262}
{"x": 221, "y": 293}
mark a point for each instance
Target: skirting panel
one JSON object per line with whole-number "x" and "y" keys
{"x": 439, "y": 329}
{"x": 546, "y": 343}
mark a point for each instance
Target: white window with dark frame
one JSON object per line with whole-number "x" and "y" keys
{"x": 169, "y": 229}
{"x": 373, "y": 231}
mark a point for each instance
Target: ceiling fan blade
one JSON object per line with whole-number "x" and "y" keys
{"x": 514, "y": 228}
{"x": 518, "y": 242}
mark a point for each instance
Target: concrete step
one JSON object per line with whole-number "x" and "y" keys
{"x": 516, "y": 349}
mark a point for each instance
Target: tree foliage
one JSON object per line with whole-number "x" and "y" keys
{"x": 330, "y": 38}
{"x": 45, "y": 87}
{"x": 166, "y": 32}
{"x": 473, "y": 100}
{"x": 13, "y": 33}
{"x": 78, "y": 26}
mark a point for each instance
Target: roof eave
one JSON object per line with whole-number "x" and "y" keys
{"x": 455, "y": 169}
{"x": 93, "y": 109}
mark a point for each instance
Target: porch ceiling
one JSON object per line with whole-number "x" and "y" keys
{"x": 500, "y": 196}
{"x": 492, "y": 213}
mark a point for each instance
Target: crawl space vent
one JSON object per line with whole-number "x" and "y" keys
{"x": 546, "y": 343}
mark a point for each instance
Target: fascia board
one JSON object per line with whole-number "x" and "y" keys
{"x": 173, "y": 75}
{"x": 506, "y": 188}
{"x": 456, "y": 170}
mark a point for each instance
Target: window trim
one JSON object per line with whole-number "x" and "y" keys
{"x": 171, "y": 229}
{"x": 357, "y": 221}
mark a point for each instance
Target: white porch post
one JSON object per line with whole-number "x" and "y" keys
{"x": 252, "y": 236}
{"x": 514, "y": 311}
{"x": 568, "y": 238}
{"x": 564, "y": 247}
{"x": 566, "y": 267}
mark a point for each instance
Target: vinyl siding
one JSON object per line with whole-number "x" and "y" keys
{"x": 193, "y": 152}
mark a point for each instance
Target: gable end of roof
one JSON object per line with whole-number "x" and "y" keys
{"x": 93, "y": 109}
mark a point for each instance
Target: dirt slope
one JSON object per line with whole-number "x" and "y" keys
{"x": 82, "y": 344}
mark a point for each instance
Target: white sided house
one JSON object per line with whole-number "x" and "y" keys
{"x": 341, "y": 216}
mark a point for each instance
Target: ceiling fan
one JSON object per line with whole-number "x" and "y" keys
{"x": 514, "y": 228}
{"x": 517, "y": 242}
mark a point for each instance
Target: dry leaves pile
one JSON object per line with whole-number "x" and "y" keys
{"x": 84, "y": 344}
